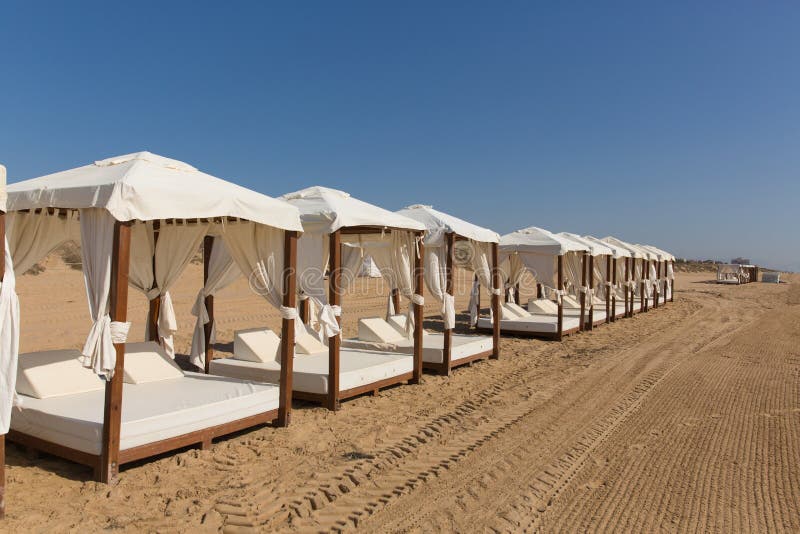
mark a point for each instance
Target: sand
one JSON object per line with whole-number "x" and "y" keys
{"x": 684, "y": 418}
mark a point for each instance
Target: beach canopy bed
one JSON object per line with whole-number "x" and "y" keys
{"x": 598, "y": 267}
{"x": 9, "y": 339}
{"x": 557, "y": 264}
{"x": 339, "y": 231}
{"x": 663, "y": 274}
{"x": 618, "y": 286}
{"x": 639, "y": 279}
{"x": 730, "y": 273}
{"x": 139, "y": 220}
{"x": 451, "y": 242}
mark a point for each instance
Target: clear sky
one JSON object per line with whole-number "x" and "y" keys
{"x": 672, "y": 123}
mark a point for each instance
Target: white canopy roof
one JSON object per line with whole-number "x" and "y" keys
{"x": 145, "y": 186}
{"x": 635, "y": 251}
{"x": 616, "y": 250}
{"x": 596, "y": 248}
{"x": 438, "y": 224}
{"x": 539, "y": 241}
{"x": 658, "y": 255}
{"x": 324, "y": 210}
{"x": 665, "y": 256}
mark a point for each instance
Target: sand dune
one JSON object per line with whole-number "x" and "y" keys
{"x": 685, "y": 418}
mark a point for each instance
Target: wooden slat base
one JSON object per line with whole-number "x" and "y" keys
{"x": 201, "y": 438}
{"x": 354, "y": 392}
{"x": 538, "y": 335}
{"x": 443, "y": 369}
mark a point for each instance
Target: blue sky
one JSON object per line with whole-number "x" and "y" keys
{"x": 675, "y": 124}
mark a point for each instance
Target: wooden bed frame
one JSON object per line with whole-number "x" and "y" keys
{"x": 106, "y": 464}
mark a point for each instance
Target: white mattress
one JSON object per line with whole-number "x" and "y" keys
{"x": 542, "y": 324}
{"x": 310, "y": 372}
{"x": 150, "y": 412}
{"x": 463, "y": 346}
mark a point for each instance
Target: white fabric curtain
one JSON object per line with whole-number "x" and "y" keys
{"x": 258, "y": 250}
{"x": 573, "y": 271}
{"x": 9, "y": 342}
{"x": 479, "y": 263}
{"x": 393, "y": 255}
{"x": 620, "y": 291}
{"x": 97, "y": 244}
{"x": 652, "y": 279}
{"x": 32, "y": 236}
{"x": 176, "y": 246}
{"x": 637, "y": 276}
{"x": 222, "y": 272}
{"x": 436, "y": 282}
{"x": 140, "y": 272}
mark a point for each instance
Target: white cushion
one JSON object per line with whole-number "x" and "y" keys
{"x": 307, "y": 343}
{"x": 519, "y": 310}
{"x": 571, "y": 302}
{"x": 147, "y": 362}
{"x": 545, "y": 306}
{"x": 377, "y": 330}
{"x": 508, "y": 312}
{"x": 260, "y": 345}
{"x": 398, "y": 322}
{"x": 54, "y": 373}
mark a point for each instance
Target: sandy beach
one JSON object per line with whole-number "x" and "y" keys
{"x": 684, "y": 418}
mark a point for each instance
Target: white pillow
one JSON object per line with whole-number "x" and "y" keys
{"x": 398, "y": 322}
{"x": 147, "y": 362}
{"x": 376, "y": 330}
{"x": 571, "y": 302}
{"x": 519, "y": 310}
{"x": 55, "y": 373}
{"x": 260, "y": 345}
{"x": 545, "y": 306}
{"x": 509, "y": 313}
{"x": 308, "y": 343}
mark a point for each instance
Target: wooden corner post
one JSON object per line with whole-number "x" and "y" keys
{"x": 419, "y": 281}
{"x": 478, "y": 302}
{"x": 590, "y": 304}
{"x": 560, "y": 283}
{"x": 642, "y": 293}
{"x": 112, "y": 413}
{"x": 672, "y": 283}
{"x": 208, "y": 245}
{"x": 611, "y": 293}
{"x": 154, "y": 305}
{"x": 583, "y": 293}
{"x": 335, "y": 342}
{"x": 287, "y": 327}
{"x": 448, "y": 332}
{"x": 497, "y": 283}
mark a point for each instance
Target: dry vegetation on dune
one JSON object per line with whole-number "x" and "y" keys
{"x": 684, "y": 418}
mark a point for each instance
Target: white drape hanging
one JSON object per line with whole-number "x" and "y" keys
{"x": 651, "y": 280}
{"x": 9, "y": 342}
{"x": 637, "y": 276}
{"x": 32, "y": 236}
{"x": 479, "y": 263}
{"x": 573, "y": 271}
{"x": 393, "y": 255}
{"x": 436, "y": 281}
{"x": 175, "y": 247}
{"x": 258, "y": 251}
{"x": 222, "y": 272}
{"x": 97, "y": 244}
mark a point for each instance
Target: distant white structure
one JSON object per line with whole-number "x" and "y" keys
{"x": 771, "y": 278}
{"x": 730, "y": 273}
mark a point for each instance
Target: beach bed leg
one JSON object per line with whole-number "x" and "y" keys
{"x": 334, "y": 343}
{"x": 287, "y": 327}
{"x": 112, "y": 413}
{"x": 497, "y": 283}
{"x": 419, "y": 310}
{"x": 448, "y": 332}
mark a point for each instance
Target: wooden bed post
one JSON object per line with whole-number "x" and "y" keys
{"x": 497, "y": 283}
{"x": 208, "y": 245}
{"x": 672, "y": 284}
{"x": 419, "y": 309}
{"x": 2, "y": 436}
{"x": 539, "y": 293}
{"x": 112, "y": 413}
{"x": 583, "y": 294}
{"x": 642, "y": 295}
{"x": 656, "y": 289}
{"x": 448, "y": 270}
{"x": 396, "y": 300}
{"x": 478, "y": 301}
{"x": 287, "y": 327}
{"x": 611, "y": 276}
{"x": 155, "y": 304}
{"x": 335, "y": 342}
{"x": 560, "y": 298}
{"x": 305, "y": 310}
{"x": 591, "y": 286}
